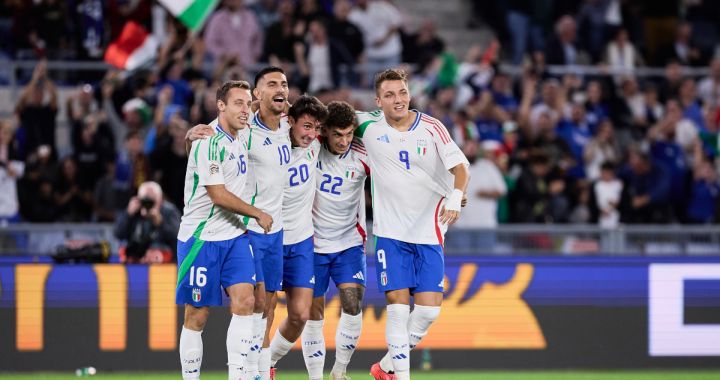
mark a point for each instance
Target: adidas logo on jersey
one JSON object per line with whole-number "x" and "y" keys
{"x": 359, "y": 276}
{"x": 267, "y": 141}
{"x": 253, "y": 278}
{"x": 384, "y": 138}
{"x": 312, "y": 280}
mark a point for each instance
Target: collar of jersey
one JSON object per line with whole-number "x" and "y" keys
{"x": 418, "y": 115}
{"x": 415, "y": 123}
{"x": 221, "y": 131}
{"x": 259, "y": 122}
{"x": 347, "y": 151}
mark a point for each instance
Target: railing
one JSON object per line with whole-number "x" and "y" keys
{"x": 11, "y": 69}
{"x": 29, "y": 239}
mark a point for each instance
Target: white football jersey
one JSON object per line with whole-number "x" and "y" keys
{"x": 299, "y": 193}
{"x": 339, "y": 209}
{"x": 217, "y": 160}
{"x": 410, "y": 177}
{"x": 269, "y": 153}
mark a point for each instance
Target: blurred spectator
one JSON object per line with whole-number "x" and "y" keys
{"x": 539, "y": 195}
{"x": 501, "y": 87}
{"x": 518, "y": 22}
{"x": 39, "y": 29}
{"x": 576, "y": 132}
{"x": 106, "y": 196}
{"x": 709, "y": 87}
{"x": 233, "y": 32}
{"x": 148, "y": 225}
{"x": 486, "y": 186}
{"x": 646, "y": 191}
{"x": 682, "y": 49}
{"x": 690, "y": 105}
{"x": 266, "y": 12}
{"x": 422, "y": 47}
{"x": 622, "y": 54}
{"x": 703, "y": 15}
{"x": 704, "y": 192}
{"x": 81, "y": 103}
{"x": 132, "y": 167}
{"x": 669, "y": 85}
{"x": 608, "y": 190}
{"x": 564, "y": 48}
{"x": 11, "y": 169}
{"x": 281, "y": 36}
{"x": 73, "y": 201}
{"x": 35, "y": 188}
{"x": 602, "y": 148}
{"x": 308, "y": 11}
{"x": 36, "y": 109}
{"x": 322, "y": 57}
{"x": 169, "y": 160}
{"x": 136, "y": 113}
{"x": 93, "y": 146}
{"x": 346, "y": 32}
{"x": 383, "y": 47}
{"x": 597, "y": 20}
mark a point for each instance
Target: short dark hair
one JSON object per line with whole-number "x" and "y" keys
{"x": 340, "y": 115}
{"x": 267, "y": 70}
{"x": 390, "y": 74}
{"x": 222, "y": 91}
{"x": 608, "y": 165}
{"x": 308, "y": 105}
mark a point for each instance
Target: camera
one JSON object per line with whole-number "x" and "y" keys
{"x": 147, "y": 203}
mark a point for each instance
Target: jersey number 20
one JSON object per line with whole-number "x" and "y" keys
{"x": 302, "y": 170}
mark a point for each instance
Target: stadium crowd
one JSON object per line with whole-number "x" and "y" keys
{"x": 568, "y": 148}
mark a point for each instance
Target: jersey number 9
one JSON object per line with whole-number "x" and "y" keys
{"x": 405, "y": 158}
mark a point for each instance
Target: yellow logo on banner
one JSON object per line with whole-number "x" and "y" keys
{"x": 495, "y": 317}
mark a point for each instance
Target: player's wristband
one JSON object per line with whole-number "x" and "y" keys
{"x": 454, "y": 201}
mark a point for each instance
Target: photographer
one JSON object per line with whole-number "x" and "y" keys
{"x": 149, "y": 226}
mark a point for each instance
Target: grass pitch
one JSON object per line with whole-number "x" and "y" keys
{"x": 416, "y": 375}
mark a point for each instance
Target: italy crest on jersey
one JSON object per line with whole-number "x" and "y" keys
{"x": 421, "y": 147}
{"x": 350, "y": 172}
{"x": 196, "y": 295}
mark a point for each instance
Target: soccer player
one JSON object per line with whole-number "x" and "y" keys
{"x": 419, "y": 177}
{"x": 213, "y": 248}
{"x": 304, "y": 117}
{"x": 269, "y": 151}
{"x": 339, "y": 219}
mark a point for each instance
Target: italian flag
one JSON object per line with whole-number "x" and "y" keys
{"x": 192, "y": 13}
{"x": 133, "y": 48}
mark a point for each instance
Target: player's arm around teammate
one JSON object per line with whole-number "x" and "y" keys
{"x": 419, "y": 178}
{"x": 339, "y": 221}
{"x": 305, "y": 117}
{"x": 213, "y": 248}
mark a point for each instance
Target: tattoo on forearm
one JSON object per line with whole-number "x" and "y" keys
{"x": 351, "y": 300}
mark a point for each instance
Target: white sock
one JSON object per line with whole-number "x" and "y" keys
{"x": 420, "y": 321}
{"x": 396, "y": 333}
{"x": 264, "y": 364}
{"x": 279, "y": 347}
{"x": 251, "y": 362}
{"x": 239, "y": 338}
{"x": 421, "y": 318}
{"x": 313, "y": 348}
{"x": 191, "y": 352}
{"x": 346, "y": 340}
